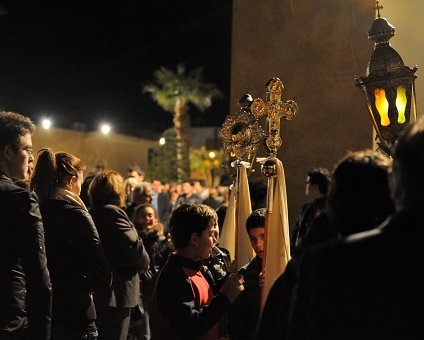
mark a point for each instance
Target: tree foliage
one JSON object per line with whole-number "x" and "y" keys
{"x": 174, "y": 91}
{"x": 164, "y": 164}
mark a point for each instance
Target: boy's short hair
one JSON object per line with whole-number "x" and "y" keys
{"x": 321, "y": 178}
{"x": 188, "y": 219}
{"x": 256, "y": 219}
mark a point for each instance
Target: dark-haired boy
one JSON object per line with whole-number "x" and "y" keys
{"x": 183, "y": 303}
{"x": 244, "y": 312}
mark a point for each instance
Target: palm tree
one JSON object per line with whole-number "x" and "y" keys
{"x": 174, "y": 91}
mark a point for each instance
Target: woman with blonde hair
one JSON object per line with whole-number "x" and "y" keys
{"x": 77, "y": 263}
{"x": 125, "y": 250}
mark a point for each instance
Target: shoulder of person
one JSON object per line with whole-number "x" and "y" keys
{"x": 223, "y": 251}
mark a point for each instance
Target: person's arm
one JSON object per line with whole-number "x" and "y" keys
{"x": 34, "y": 263}
{"x": 92, "y": 250}
{"x": 125, "y": 237}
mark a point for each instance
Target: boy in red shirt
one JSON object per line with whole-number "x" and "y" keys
{"x": 183, "y": 303}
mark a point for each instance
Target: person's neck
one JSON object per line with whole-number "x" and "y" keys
{"x": 4, "y": 170}
{"x": 188, "y": 253}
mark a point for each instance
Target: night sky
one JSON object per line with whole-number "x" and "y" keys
{"x": 86, "y": 61}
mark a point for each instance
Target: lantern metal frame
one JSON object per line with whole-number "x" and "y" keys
{"x": 388, "y": 87}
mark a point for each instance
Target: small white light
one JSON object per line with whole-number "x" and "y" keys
{"x": 162, "y": 141}
{"x": 105, "y": 128}
{"x": 46, "y": 123}
{"x": 212, "y": 154}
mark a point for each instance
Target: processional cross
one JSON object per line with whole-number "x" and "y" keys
{"x": 273, "y": 109}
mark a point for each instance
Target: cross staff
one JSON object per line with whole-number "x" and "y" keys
{"x": 273, "y": 109}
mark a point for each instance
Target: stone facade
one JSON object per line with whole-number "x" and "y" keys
{"x": 113, "y": 151}
{"x": 316, "y": 48}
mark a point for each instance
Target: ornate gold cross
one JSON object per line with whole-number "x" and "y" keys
{"x": 274, "y": 109}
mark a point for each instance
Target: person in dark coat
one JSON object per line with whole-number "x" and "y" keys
{"x": 244, "y": 313}
{"x": 77, "y": 262}
{"x": 350, "y": 288}
{"x": 313, "y": 214}
{"x": 161, "y": 203}
{"x": 25, "y": 289}
{"x": 125, "y": 250}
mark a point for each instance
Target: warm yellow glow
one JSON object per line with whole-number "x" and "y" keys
{"x": 382, "y": 106}
{"x": 46, "y": 123}
{"x": 105, "y": 128}
{"x": 212, "y": 154}
{"x": 401, "y": 103}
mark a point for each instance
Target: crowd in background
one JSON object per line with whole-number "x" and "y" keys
{"x": 114, "y": 258}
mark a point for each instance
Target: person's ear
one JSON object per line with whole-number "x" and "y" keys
{"x": 7, "y": 152}
{"x": 71, "y": 182}
{"x": 194, "y": 239}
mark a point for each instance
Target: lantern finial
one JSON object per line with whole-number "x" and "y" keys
{"x": 377, "y": 8}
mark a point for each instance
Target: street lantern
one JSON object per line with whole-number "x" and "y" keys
{"x": 388, "y": 86}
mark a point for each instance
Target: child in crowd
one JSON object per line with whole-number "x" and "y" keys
{"x": 145, "y": 220}
{"x": 183, "y": 303}
{"x": 244, "y": 313}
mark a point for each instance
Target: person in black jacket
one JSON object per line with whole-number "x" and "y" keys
{"x": 25, "y": 289}
{"x": 125, "y": 250}
{"x": 337, "y": 290}
{"x": 313, "y": 215}
{"x": 244, "y": 313}
{"x": 77, "y": 262}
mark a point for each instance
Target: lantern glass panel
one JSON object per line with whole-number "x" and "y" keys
{"x": 401, "y": 103}
{"x": 382, "y": 106}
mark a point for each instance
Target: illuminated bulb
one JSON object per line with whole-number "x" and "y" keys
{"x": 401, "y": 103}
{"x": 105, "y": 128}
{"x": 46, "y": 123}
{"x": 382, "y": 106}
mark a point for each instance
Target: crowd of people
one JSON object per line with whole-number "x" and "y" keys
{"x": 116, "y": 258}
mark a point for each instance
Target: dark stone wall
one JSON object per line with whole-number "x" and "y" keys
{"x": 315, "y": 47}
